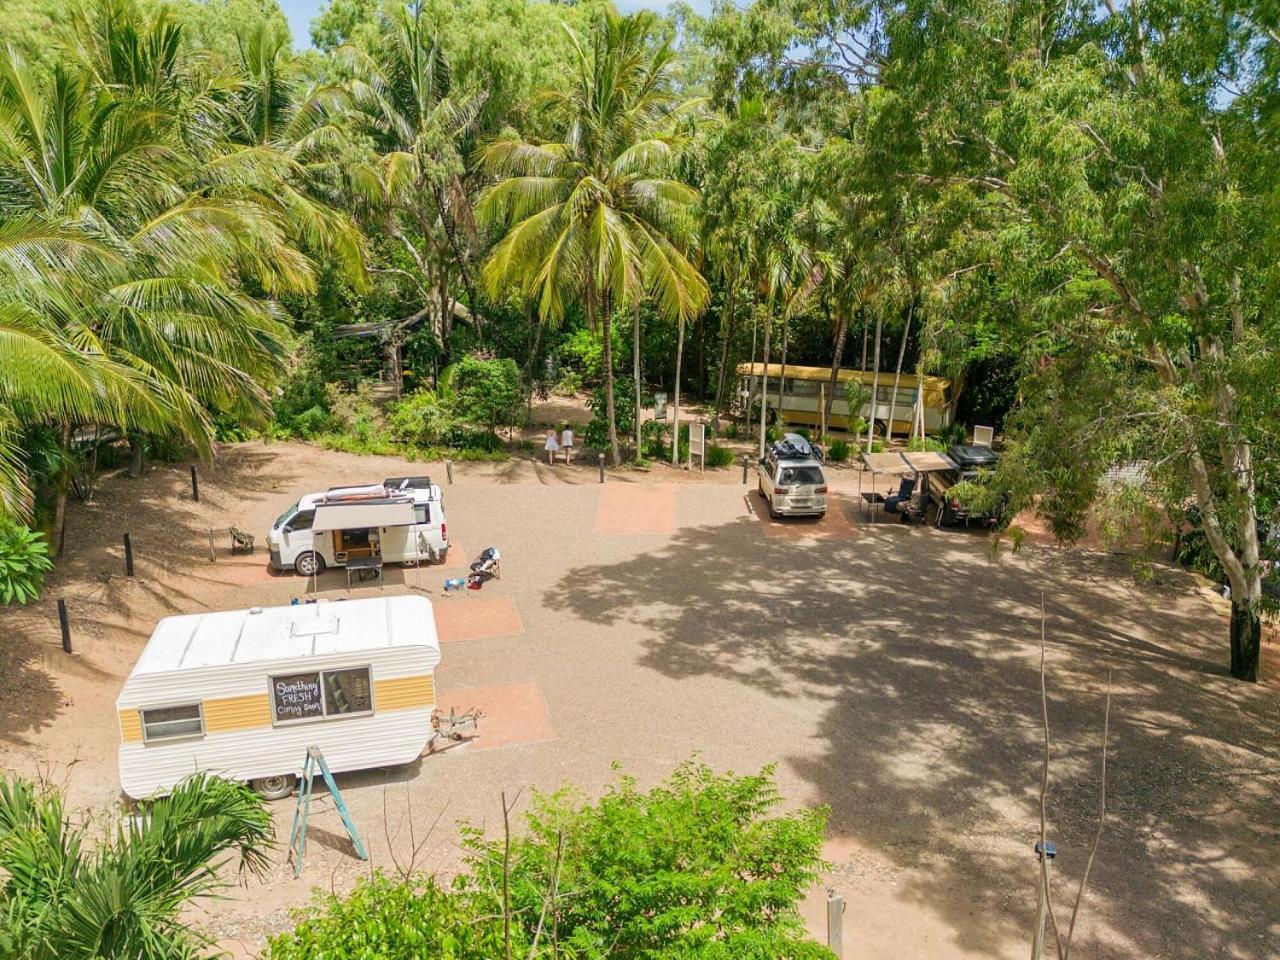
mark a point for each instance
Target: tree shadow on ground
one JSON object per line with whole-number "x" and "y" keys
{"x": 921, "y": 654}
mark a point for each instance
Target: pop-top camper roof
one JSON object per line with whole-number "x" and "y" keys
{"x": 199, "y": 640}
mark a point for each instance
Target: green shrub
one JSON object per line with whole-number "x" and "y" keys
{"x": 802, "y": 432}
{"x": 24, "y": 560}
{"x": 311, "y": 422}
{"x": 839, "y": 451}
{"x": 718, "y": 456}
{"x": 422, "y": 417}
{"x": 877, "y": 446}
{"x": 487, "y": 391}
{"x": 731, "y": 430}
{"x": 773, "y": 433}
{"x": 596, "y": 433}
{"x": 702, "y": 865}
{"x": 926, "y": 444}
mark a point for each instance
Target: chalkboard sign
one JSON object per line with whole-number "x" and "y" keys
{"x": 296, "y": 696}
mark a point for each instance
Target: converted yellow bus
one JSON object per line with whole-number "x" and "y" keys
{"x": 805, "y": 387}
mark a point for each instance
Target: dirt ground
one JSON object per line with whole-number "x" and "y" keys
{"x": 887, "y": 672}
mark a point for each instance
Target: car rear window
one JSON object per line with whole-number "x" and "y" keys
{"x": 800, "y": 475}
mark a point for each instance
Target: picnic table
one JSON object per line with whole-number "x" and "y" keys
{"x": 363, "y": 567}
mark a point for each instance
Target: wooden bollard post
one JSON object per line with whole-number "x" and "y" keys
{"x": 64, "y": 625}
{"x": 448, "y": 469}
{"x": 600, "y": 461}
{"x": 213, "y": 557}
{"x": 745, "y": 461}
{"x": 195, "y": 485}
{"x": 128, "y": 556}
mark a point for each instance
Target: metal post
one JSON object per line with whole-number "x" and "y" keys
{"x": 1042, "y": 898}
{"x": 195, "y": 485}
{"x": 128, "y": 556}
{"x": 448, "y": 469}
{"x": 835, "y": 923}
{"x": 64, "y": 624}
{"x": 600, "y": 460}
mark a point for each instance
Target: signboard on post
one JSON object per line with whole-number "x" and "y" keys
{"x": 698, "y": 444}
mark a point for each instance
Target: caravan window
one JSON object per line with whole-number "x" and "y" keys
{"x": 168, "y": 723}
{"x": 420, "y": 513}
{"x": 347, "y": 691}
{"x": 321, "y": 693}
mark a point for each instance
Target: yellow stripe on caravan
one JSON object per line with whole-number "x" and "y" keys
{"x": 237, "y": 713}
{"x": 404, "y": 692}
{"x": 131, "y": 726}
{"x": 229, "y": 714}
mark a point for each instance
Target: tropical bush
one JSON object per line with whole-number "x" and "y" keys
{"x": 487, "y": 391}
{"x": 700, "y": 866}
{"x": 718, "y": 456}
{"x": 839, "y": 451}
{"x": 24, "y": 560}
{"x": 424, "y": 417}
{"x": 929, "y": 444}
{"x": 66, "y": 895}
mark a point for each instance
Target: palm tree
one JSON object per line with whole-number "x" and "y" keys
{"x": 419, "y": 121}
{"x": 597, "y": 217}
{"x": 67, "y": 898}
{"x": 121, "y": 300}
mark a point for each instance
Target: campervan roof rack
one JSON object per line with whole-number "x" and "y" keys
{"x": 407, "y": 483}
{"x": 795, "y": 447}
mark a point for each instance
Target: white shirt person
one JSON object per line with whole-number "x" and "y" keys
{"x": 566, "y": 441}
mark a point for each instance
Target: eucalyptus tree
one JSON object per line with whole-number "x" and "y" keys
{"x": 1121, "y": 161}
{"x": 596, "y": 217}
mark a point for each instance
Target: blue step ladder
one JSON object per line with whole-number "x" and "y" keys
{"x": 298, "y": 835}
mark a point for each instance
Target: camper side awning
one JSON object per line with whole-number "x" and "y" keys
{"x": 360, "y": 516}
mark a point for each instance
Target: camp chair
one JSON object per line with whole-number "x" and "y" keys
{"x": 905, "y": 491}
{"x": 241, "y": 542}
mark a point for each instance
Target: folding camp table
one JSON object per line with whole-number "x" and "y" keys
{"x": 362, "y": 566}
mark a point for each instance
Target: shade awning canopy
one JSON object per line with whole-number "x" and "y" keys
{"x": 886, "y": 463}
{"x": 926, "y": 461}
{"x": 362, "y": 516}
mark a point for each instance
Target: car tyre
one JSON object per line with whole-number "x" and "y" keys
{"x": 309, "y": 564}
{"x": 278, "y": 787}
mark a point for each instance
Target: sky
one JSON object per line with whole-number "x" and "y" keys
{"x": 301, "y": 13}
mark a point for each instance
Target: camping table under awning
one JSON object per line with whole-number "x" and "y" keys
{"x": 365, "y": 515}
{"x": 898, "y": 463}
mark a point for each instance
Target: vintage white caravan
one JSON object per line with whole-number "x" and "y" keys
{"x": 244, "y": 693}
{"x": 400, "y": 520}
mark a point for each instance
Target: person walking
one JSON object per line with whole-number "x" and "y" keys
{"x": 566, "y": 441}
{"x": 551, "y": 447}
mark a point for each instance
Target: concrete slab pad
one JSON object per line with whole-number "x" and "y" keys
{"x": 635, "y": 509}
{"x": 514, "y": 713}
{"x": 465, "y": 616}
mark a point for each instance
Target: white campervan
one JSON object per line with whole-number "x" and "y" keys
{"x": 244, "y": 693}
{"x": 400, "y": 520}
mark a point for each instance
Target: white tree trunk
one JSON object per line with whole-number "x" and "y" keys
{"x": 675, "y": 422}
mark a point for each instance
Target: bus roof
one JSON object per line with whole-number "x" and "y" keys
{"x": 199, "y": 640}
{"x": 843, "y": 375}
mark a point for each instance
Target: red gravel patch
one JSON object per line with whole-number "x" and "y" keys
{"x": 468, "y": 617}
{"x": 634, "y": 509}
{"x": 514, "y": 713}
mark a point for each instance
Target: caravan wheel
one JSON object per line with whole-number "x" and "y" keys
{"x": 274, "y": 788}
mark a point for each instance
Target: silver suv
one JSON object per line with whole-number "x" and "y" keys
{"x": 791, "y": 478}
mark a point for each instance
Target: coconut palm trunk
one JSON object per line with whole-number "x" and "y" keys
{"x": 897, "y": 372}
{"x": 837, "y": 355}
{"x": 782, "y": 372}
{"x": 724, "y": 358}
{"x": 600, "y": 305}
{"x": 764, "y": 383}
{"x": 875, "y": 381}
{"x": 635, "y": 372}
{"x": 675, "y": 431}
